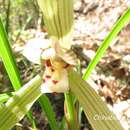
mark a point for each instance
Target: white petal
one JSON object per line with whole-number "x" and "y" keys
{"x": 45, "y": 89}
{"x": 48, "y": 54}
{"x": 33, "y": 49}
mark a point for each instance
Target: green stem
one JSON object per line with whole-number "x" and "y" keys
{"x": 71, "y": 115}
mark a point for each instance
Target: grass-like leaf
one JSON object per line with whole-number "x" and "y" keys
{"x": 8, "y": 59}
{"x": 114, "y": 32}
{"x": 100, "y": 117}
{"x": 17, "y": 106}
{"x": 47, "y": 108}
{"x": 63, "y": 124}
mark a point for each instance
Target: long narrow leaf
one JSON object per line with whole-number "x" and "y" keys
{"x": 100, "y": 117}
{"x": 116, "y": 29}
{"x": 63, "y": 124}
{"x": 44, "y": 103}
{"x": 8, "y": 59}
{"x": 17, "y": 106}
{"x": 47, "y": 108}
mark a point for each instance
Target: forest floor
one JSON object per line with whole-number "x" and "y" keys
{"x": 93, "y": 21}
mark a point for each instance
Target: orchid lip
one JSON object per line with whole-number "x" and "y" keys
{"x": 55, "y": 77}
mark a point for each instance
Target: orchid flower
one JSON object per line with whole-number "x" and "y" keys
{"x": 57, "y": 61}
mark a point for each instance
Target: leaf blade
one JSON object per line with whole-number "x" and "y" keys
{"x": 47, "y": 108}
{"x": 92, "y": 103}
{"x": 105, "y": 44}
{"x": 19, "y": 104}
{"x": 8, "y": 59}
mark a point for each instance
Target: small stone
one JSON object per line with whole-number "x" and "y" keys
{"x": 126, "y": 58}
{"x": 128, "y": 113}
{"x": 89, "y": 53}
{"x": 77, "y": 5}
{"x": 87, "y": 1}
{"x": 121, "y": 106}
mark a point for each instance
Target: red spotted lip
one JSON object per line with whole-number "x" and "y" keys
{"x": 54, "y": 81}
{"x": 48, "y": 76}
{"x": 48, "y": 63}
